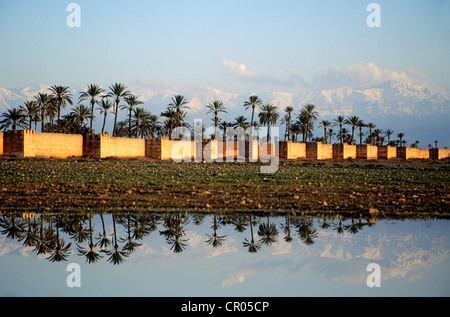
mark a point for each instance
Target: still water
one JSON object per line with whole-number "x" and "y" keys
{"x": 191, "y": 255}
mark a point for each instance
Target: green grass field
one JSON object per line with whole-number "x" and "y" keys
{"x": 416, "y": 188}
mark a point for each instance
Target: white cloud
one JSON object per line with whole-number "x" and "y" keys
{"x": 238, "y": 69}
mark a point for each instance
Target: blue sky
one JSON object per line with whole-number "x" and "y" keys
{"x": 207, "y": 43}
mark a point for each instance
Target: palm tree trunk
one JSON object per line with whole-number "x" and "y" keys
{"x": 104, "y": 121}
{"x": 115, "y": 117}
{"x": 92, "y": 114}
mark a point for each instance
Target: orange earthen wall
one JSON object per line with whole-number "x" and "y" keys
{"x": 292, "y": 151}
{"x": 121, "y": 147}
{"x": 319, "y": 151}
{"x": 366, "y": 151}
{"x": 1, "y": 143}
{"x": 439, "y": 154}
{"x": 344, "y": 151}
{"x": 387, "y": 152}
{"x": 57, "y": 145}
{"x": 412, "y": 153}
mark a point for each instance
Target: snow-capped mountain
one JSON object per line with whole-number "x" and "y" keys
{"x": 397, "y": 105}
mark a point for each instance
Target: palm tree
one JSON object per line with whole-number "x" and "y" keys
{"x": 178, "y": 104}
{"x": 306, "y": 119}
{"x": 62, "y": 95}
{"x": 253, "y": 102}
{"x": 30, "y": 110}
{"x": 325, "y": 124}
{"x": 360, "y": 125}
{"x": 92, "y": 93}
{"x": 132, "y": 102}
{"x": 171, "y": 115}
{"x": 388, "y": 133}
{"x": 14, "y": 118}
{"x": 400, "y": 136}
{"x": 118, "y": 92}
{"x": 289, "y": 110}
{"x": 340, "y": 122}
{"x": 44, "y": 101}
{"x": 241, "y": 122}
{"x": 371, "y": 126}
{"x": 353, "y": 122}
{"x": 268, "y": 115}
{"x": 81, "y": 112}
{"x": 105, "y": 106}
{"x": 140, "y": 116}
{"x": 215, "y": 108}
{"x": 330, "y": 135}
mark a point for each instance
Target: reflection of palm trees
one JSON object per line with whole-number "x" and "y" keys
{"x": 251, "y": 245}
{"x": 91, "y": 252}
{"x": 60, "y": 250}
{"x": 287, "y": 230}
{"x": 29, "y": 236}
{"x": 338, "y": 226}
{"x": 44, "y": 241}
{"x": 130, "y": 244}
{"x": 174, "y": 233}
{"x": 268, "y": 232}
{"x": 354, "y": 227}
{"x": 215, "y": 240}
{"x": 306, "y": 231}
{"x": 324, "y": 224}
{"x": 116, "y": 255}
{"x": 13, "y": 228}
{"x": 104, "y": 240}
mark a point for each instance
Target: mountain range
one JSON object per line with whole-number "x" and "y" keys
{"x": 421, "y": 112}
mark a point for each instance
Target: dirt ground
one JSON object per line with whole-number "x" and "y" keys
{"x": 382, "y": 188}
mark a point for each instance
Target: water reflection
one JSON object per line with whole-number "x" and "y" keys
{"x": 46, "y": 234}
{"x": 146, "y": 254}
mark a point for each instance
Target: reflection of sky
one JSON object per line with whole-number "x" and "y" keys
{"x": 413, "y": 255}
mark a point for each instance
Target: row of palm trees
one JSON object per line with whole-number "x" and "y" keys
{"x": 46, "y": 109}
{"x": 46, "y": 234}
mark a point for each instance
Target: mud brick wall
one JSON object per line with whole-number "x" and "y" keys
{"x": 13, "y": 142}
{"x": 438, "y": 154}
{"x": 319, "y": 151}
{"x": 291, "y": 151}
{"x": 1, "y": 143}
{"x": 153, "y": 148}
{"x": 344, "y": 151}
{"x": 366, "y": 151}
{"x": 57, "y": 145}
{"x": 121, "y": 147}
{"x": 387, "y": 152}
{"x": 412, "y": 153}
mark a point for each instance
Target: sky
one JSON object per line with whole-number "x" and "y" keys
{"x": 269, "y": 48}
{"x": 230, "y": 45}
